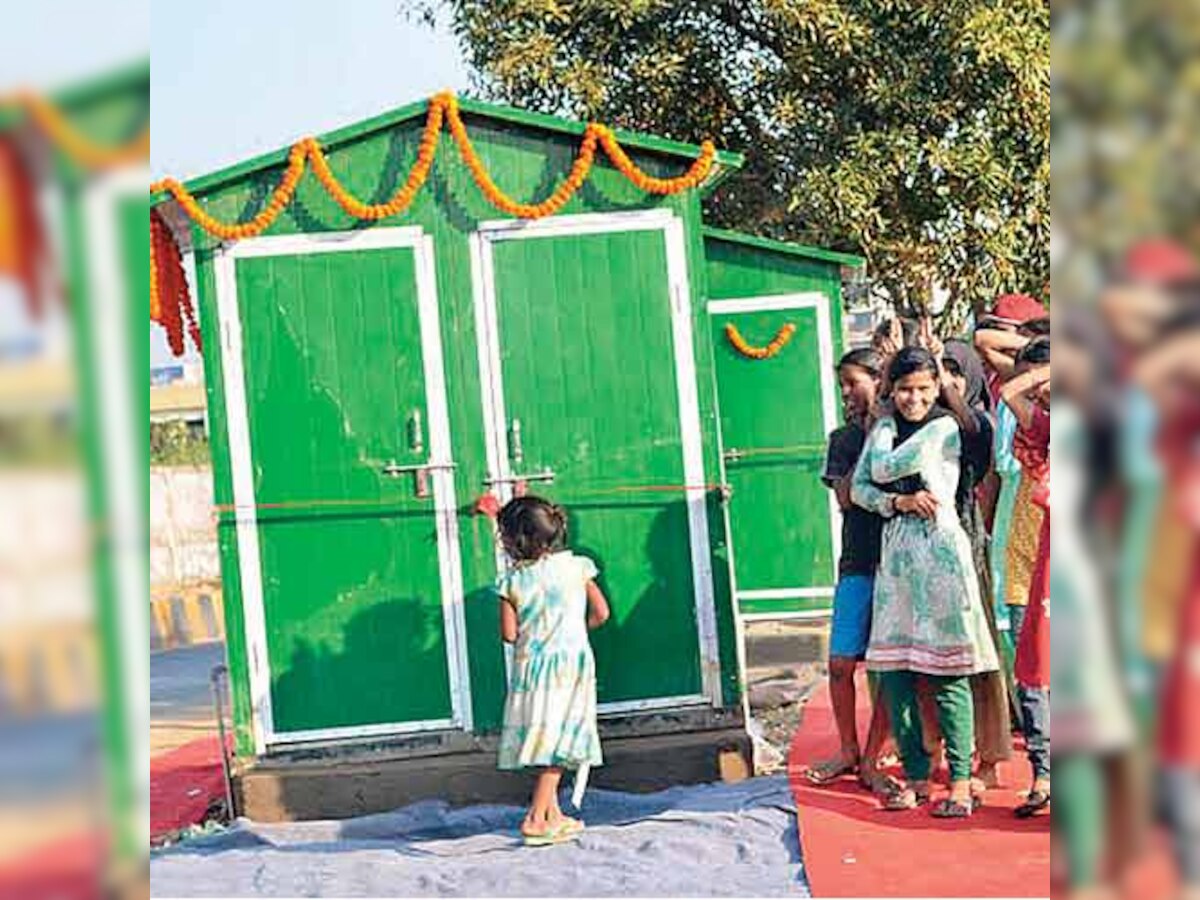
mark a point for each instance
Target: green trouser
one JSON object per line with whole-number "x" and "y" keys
{"x": 956, "y": 718}
{"x": 1079, "y": 814}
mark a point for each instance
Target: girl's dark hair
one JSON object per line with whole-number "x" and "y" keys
{"x": 1036, "y": 352}
{"x": 911, "y": 360}
{"x": 1035, "y": 327}
{"x": 531, "y": 527}
{"x": 863, "y": 358}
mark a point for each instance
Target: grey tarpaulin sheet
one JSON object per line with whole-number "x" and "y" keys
{"x": 705, "y": 840}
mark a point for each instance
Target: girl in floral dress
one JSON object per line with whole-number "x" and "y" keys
{"x": 548, "y": 601}
{"x": 928, "y": 616}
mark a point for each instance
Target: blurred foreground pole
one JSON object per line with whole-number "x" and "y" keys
{"x": 94, "y": 152}
{"x": 105, "y": 223}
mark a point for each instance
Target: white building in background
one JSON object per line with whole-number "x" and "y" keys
{"x": 177, "y": 393}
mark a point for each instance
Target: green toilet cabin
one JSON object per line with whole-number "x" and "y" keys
{"x": 369, "y": 379}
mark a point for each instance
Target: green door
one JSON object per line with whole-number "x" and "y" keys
{"x": 351, "y": 552}
{"x": 775, "y": 415}
{"x": 587, "y": 355}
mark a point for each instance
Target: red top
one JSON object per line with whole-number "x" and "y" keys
{"x": 1032, "y": 448}
{"x": 1179, "y": 729}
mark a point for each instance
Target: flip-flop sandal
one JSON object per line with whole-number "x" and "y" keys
{"x": 1034, "y": 803}
{"x": 572, "y": 826}
{"x": 953, "y": 809}
{"x": 556, "y": 835}
{"x": 827, "y": 773}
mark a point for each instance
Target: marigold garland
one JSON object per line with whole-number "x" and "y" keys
{"x": 782, "y": 336}
{"x": 552, "y": 204}
{"x": 170, "y": 300}
{"x": 443, "y": 109}
{"x": 79, "y": 148}
{"x": 25, "y": 252}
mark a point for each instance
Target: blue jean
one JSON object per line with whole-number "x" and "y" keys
{"x": 1035, "y": 722}
{"x": 1179, "y": 802}
{"x": 1016, "y": 620}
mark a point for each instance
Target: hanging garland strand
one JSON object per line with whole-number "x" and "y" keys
{"x": 782, "y": 336}
{"x": 170, "y": 300}
{"x": 25, "y": 252}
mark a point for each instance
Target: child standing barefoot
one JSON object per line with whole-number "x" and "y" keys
{"x": 548, "y": 601}
{"x": 859, "y": 373}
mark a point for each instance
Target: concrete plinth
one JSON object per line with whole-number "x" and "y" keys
{"x": 343, "y": 784}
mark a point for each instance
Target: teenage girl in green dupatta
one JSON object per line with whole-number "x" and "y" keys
{"x": 928, "y": 618}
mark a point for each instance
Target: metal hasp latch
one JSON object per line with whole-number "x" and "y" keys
{"x": 420, "y": 473}
{"x": 519, "y": 481}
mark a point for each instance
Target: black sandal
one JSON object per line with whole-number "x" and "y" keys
{"x": 904, "y": 799}
{"x": 1034, "y": 803}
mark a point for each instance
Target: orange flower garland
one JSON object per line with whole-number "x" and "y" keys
{"x": 77, "y": 146}
{"x": 25, "y": 252}
{"x": 404, "y": 196}
{"x": 443, "y": 109}
{"x": 552, "y": 204}
{"x": 280, "y": 197}
{"x": 170, "y": 300}
{"x": 782, "y": 336}
{"x": 648, "y": 183}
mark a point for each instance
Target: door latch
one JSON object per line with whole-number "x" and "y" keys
{"x": 419, "y": 471}
{"x": 519, "y": 482}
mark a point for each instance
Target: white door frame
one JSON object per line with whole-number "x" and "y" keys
{"x": 496, "y": 420}
{"x": 819, "y": 302}
{"x": 242, "y": 475}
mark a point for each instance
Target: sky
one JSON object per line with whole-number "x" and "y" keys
{"x": 49, "y": 43}
{"x": 229, "y": 78}
{"x": 234, "y": 78}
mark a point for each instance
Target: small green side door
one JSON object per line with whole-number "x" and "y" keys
{"x": 355, "y": 561}
{"x": 775, "y": 416}
{"x": 587, "y": 388}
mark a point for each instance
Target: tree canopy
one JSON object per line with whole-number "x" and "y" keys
{"x": 915, "y": 133}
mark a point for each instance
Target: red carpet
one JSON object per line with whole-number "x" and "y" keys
{"x": 183, "y": 782}
{"x": 67, "y": 869}
{"x": 852, "y": 848}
